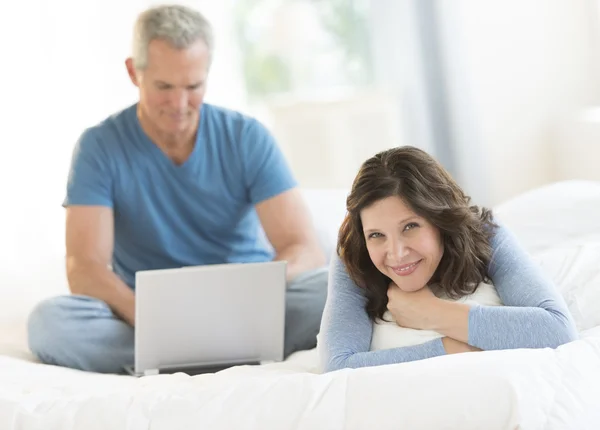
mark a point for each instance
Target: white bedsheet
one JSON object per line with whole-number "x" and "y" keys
{"x": 518, "y": 389}
{"x": 525, "y": 389}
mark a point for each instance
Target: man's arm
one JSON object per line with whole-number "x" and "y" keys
{"x": 288, "y": 226}
{"x": 90, "y": 239}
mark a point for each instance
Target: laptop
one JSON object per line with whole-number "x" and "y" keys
{"x": 203, "y": 319}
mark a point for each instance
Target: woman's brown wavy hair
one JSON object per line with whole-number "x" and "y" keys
{"x": 428, "y": 189}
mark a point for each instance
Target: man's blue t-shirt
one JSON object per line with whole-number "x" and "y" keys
{"x": 168, "y": 215}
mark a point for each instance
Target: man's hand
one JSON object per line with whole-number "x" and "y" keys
{"x": 90, "y": 233}
{"x": 98, "y": 281}
{"x": 414, "y": 309}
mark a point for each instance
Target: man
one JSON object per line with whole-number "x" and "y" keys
{"x": 171, "y": 182}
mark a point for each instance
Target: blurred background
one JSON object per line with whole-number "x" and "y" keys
{"x": 502, "y": 92}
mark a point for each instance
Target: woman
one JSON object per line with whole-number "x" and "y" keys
{"x": 410, "y": 229}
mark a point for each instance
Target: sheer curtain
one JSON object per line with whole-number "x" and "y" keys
{"x": 514, "y": 70}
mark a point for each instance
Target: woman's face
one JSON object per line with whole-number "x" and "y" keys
{"x": 403, "y": 246}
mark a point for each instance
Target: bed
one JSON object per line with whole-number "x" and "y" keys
{"x": 517, "y": 389}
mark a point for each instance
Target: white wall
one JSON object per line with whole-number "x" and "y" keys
{"x": 522, "y": 66}
{"x": 326, "y": 141}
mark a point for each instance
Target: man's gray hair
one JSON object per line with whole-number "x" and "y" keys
{"x": 178, "y": 25}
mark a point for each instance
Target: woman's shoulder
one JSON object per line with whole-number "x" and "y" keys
{"x": 337, "y": 263}
{"x": 506, "y": 248}
{"x": 338, "y": 270}
{"x": 339, "y": 278}
{"x": 500, "y": 235}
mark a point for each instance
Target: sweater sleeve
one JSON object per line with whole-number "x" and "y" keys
{"x": 345, "y": 336}
{"x": 534, "y": 314}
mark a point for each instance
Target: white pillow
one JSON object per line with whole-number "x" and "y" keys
{"x": 556, "y": 214}
{"x": 575, "y": 269}
{"x": 388, "y": 334}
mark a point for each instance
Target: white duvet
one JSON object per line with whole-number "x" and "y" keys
{"x": 537, "y": 389}
{"x": 518, "y": 389}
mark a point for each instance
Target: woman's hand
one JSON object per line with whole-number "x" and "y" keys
{"x": 414, "y": 309}
{"x": 422, "y": 310}
{"x": 453, "y": 346}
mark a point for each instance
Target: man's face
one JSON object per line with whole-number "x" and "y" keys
{"x": 172, "y": 86}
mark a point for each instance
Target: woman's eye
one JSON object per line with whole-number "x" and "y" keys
{"x": 411, "y": 225}
{"x": 374, "y": 235}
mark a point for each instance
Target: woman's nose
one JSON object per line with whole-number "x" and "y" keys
{"x": 398, "y": 249}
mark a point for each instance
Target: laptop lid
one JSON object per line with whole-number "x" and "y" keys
{"x": 207, "y": 316}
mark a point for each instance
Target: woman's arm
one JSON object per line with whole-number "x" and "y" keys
{"x": 345, "y": 336}
{"x": 535, "y": 314}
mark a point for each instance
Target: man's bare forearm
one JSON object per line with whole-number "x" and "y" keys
{"x": 98, "y": 281}
{"x": 301, "y": 258}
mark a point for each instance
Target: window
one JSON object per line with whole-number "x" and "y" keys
{"x": 308, "y": 73}
{"x": 302, "y": 46}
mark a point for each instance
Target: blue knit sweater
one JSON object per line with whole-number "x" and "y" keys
{"x": 534, "y": 314}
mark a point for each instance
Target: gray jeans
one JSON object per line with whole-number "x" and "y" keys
{"x": 82, "y": 332}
